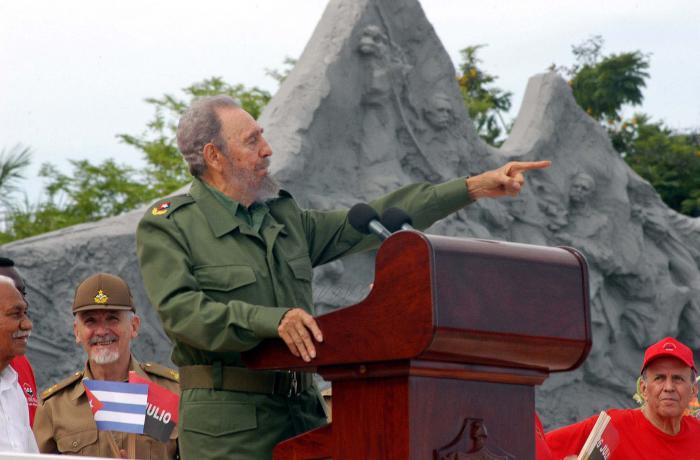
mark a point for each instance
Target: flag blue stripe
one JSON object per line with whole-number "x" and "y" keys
{"x": 128, "y": 408}
{"x": 123, "y": 427}
{"x": 119, "y": 387}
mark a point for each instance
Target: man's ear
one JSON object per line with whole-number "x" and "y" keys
{"x": 643, "y": 388}
{"x": 135, "y": 325}
{"x": 212, "y": 157}
{"x": 75, "y": 329}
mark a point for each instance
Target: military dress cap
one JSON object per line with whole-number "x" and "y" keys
{"x": 669, "y": 347}
{"x": 103, "y": 291}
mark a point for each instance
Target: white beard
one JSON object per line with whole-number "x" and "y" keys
{"x": 104, "y": 356}
{"x": 258, "y": 190}
{"x": 266, "y": 190}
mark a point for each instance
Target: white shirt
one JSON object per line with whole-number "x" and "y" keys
{"x": 15, "y": 432}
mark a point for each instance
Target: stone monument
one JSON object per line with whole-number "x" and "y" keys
{"x": 373, "y": 104}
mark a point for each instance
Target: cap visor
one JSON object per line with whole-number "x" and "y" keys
{"x": 103, "y": 307}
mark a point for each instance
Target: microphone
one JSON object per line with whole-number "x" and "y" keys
{"x": 365, "y": 219}
{"x": 396, "y": 219}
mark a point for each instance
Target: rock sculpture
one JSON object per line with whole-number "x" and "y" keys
{"x": 373, "y": 104}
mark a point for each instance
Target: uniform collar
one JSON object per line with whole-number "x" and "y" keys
{"x": 221, "y": 220}
{"x": 79, "y": 389}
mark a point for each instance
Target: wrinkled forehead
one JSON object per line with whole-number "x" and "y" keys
{"x": 10, "y": 297}
{"x": 11, "y": 273}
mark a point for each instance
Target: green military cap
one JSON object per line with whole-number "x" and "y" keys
{"x": 103, "y": 291}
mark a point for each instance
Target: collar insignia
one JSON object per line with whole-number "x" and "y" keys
{"x": 101, "y": 298}
{"x": 161, "y": 209}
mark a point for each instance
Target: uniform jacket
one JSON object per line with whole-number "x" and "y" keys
{"x": 64, "y": 422}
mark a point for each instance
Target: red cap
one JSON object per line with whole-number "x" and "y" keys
{"x": 669, "y": 347}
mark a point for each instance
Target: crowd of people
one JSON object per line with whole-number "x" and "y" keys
{"x": 229, "y": 264}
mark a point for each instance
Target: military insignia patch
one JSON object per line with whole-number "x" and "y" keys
{"x": 101, "y": 298}
{"x": 161, "y": 209}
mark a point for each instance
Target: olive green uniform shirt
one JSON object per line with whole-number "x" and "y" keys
{"x": 221, "y": 286}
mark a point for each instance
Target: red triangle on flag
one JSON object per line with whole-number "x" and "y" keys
{"x": 95, "y": 403}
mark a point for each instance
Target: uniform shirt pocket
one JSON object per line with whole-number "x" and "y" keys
{"x": 224, "y": 277}
{"x": 301, "y": 267}
{"x": 197, "y": 418}
{"x": 82, "y": 442}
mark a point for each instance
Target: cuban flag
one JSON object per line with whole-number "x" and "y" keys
{"x": 117, "y": 406}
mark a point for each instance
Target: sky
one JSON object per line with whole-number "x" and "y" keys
{"x": 75, "y": 73}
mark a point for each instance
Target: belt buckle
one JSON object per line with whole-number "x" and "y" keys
{"x": 293, "y": 385}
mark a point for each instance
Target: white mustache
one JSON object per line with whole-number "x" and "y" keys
{"x": 21, "y": 334}
{"x": 102, "y": 338}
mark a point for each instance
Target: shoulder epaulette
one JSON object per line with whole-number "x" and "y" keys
{"x": 161, "y": 371}
{"x": 53, "y": 389}
{"x": 168, "y": 205}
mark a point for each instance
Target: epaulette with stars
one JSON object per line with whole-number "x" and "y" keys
{"x": 161, "y": 371}
{"x": 53, "y": 389}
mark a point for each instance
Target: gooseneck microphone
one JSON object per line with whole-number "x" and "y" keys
{"x": 396, "y": 219}
{"x": 365, "y": 219}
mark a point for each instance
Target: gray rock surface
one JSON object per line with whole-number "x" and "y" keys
{"x": 373, "y": 104}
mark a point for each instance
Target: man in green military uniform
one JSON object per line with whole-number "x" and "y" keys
{"x": 105, "y": 323}
{"x": 230, "y": 264}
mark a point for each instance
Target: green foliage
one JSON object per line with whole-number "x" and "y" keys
{"x": 670, "y": 161}
{"x": 281, "y": 75}
{"x": 602, "y": 85}
{"x": 13, "y": 163}
{"x": 484, "y": 102}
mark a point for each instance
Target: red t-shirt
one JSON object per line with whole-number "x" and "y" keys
{"x": 25, "y": 377}
{"x": 638, "y": 438}
{"x": 542, "y": 451}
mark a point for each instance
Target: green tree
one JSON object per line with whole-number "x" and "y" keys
{"x": 485, "y": 103}
{"x": 13, "y": 164}
{"x": 602, "y": 85}
{"x": 669, "y": 160}
{"x": 280, "y": 75}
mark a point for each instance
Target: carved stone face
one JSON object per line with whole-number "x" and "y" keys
{"x": 439, "y": 112}
{"x": 582, "y": 187}
{"x": 372, "y": 41}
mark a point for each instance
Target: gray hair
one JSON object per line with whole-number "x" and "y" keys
{"x": 7, "y": 280}
{"x": 199, "y": 126}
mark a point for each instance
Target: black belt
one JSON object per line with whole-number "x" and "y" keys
{"x": 231, "y": 378}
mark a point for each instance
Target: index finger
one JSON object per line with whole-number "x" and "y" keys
{"x": 519, "y": 166}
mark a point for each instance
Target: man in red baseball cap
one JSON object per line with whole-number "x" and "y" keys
{"x": 659, "y": 429}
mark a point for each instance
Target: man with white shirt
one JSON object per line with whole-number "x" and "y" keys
{"x": 15, "y": 432}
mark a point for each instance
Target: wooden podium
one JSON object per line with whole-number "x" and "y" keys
{"x": 441, "y": 359}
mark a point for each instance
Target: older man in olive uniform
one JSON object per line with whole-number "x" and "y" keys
{"x": 105, "y": 323}
{"x": 230, "y": 264}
